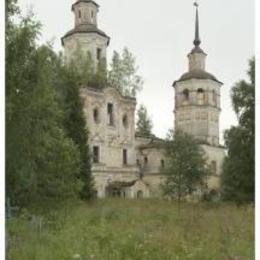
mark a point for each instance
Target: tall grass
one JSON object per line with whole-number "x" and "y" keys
{"x": 135, "y": 229}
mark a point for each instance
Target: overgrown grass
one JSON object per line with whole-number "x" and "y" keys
{"x": 131, "y": 229}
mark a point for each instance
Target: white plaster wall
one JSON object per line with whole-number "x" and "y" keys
{"x": 111, "y": 139}
{"x": 86, "y": 10}
{"x": 216, "y": 154}
{"x": 197, "y": 61}
{"x": 154, "y": 155}
{"x": 199, "y": 120}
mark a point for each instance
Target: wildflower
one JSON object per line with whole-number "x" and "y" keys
{"x": 76, "y": 256}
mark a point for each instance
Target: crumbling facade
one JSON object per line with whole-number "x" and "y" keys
{"x": 125, "y": 164}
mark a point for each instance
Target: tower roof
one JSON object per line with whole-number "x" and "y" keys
{"x": 197, "y": 74}
{"x": 84, "y": 1}
{"x": 197, "y": 71}
{"x": 197, "y": 40}
{"x": 85, "y": 28}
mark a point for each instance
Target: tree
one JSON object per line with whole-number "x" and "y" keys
{"x": 144, "y": 123}
{"x": 123, "y": 74}
{"x": 185, "y": 168}
{"x": 76, "y": 125}
{"x": 42, "y": 162}
{"x": 238, "y": 178}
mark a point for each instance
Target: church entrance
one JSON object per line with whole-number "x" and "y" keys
{"x": 118, "y": 189}
{"x": 113, "y": 192}
{"x": 140, "y": 194}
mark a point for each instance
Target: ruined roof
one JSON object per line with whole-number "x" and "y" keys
{"x": 102, "y": 89}
{"x": 155, "y": 142}
{"x": 85, "y": 28}
{"x": 197, "y": 74}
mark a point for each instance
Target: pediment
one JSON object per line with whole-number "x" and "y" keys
{"x": 97, "y": 138}
{"x": 112, "y": 92}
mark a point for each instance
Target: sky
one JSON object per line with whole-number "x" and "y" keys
{"x": 160, "y": 35}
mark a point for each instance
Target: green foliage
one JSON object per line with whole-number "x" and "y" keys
{"x": 136, "y": 229}
{"x": 238, "y": 178}
{"x": 43, "y": 159}
{"x": 122, "y": 74}
{"x": 144, "y": 123}
{"x": 75, "y": 123}
{"x": 185, "y": 168}
{"x": 83, "y": 63}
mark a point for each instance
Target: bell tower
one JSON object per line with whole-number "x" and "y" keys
{"x": 86, "y": 37}
{"x": 197, "y": 96}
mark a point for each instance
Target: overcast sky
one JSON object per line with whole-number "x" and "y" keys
{"x": 160, "y": 35}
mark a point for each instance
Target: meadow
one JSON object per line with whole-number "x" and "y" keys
{"x": 134, "y": 229}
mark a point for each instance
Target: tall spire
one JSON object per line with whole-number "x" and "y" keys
{"x": 197, "y": 40}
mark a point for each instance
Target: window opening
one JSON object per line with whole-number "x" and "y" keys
{"x": 145, "y": 160}
{"x": 99, "y": 53}
{"x": 200, "y": 96}
{"x": 162, "y": 163}
{"x": 140, "y": 194}
{"x": 124, "y": 157}
{"x": 96, "y": 115}
{"x": 125, "y": 121}
{"x": 96, "y": 154}
{"x": 214, "y": 167}
{"x": 110, "y": 112}
{"x": 185, "y": 95}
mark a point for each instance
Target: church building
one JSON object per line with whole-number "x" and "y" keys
{"x": 123, "y": 163}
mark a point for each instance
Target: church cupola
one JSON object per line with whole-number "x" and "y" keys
{"x": 85, "y": 12}
{"x": 197, "y": 56}
{"x": 86, "y": 37}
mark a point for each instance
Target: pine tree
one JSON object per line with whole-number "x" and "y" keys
{"x": 144, "y": 123}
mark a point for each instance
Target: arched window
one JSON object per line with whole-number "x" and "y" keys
{"x": 200, "y": 96}
{"x": 125, "y": 121}
{"x": 110, "y": 112}
{"x": 186, "y": 95}
{"x": 96, "y": 115}
{"x": 79, "y": 14}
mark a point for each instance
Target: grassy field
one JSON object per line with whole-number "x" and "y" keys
{"x": 124, "y": 230}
